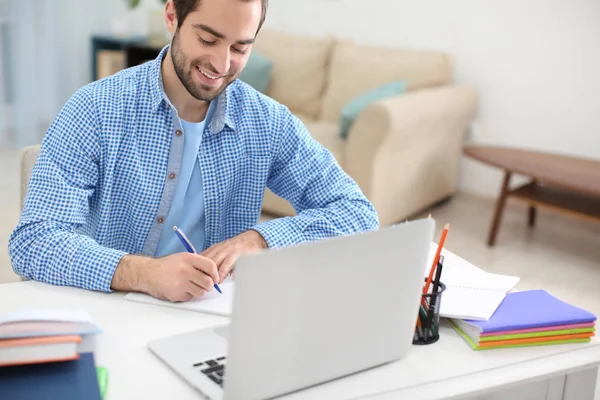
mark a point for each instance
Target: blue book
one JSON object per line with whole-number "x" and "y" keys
{"x": 530, "y": 309}
{"x": 67, "y": 380}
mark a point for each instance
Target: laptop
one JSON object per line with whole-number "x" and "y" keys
{"x": 309, "y": 314}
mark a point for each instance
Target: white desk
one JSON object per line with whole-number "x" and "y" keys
{"x": 448, "y": 369}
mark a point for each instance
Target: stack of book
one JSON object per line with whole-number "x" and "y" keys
{"x": 48, "y": 354}
{"x": 528, "y": 318}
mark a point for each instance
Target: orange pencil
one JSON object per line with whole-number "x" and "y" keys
{"x": 422, "y": 300}
{"x": 436, "y": 259}
{"x": 435, "y": 262}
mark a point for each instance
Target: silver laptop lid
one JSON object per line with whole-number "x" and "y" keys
{"x": 314, "y": 312}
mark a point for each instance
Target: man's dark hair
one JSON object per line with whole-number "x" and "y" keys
{"x": 184, "y": 7}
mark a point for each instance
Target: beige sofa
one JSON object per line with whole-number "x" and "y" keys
{"x": 403, "y": 151}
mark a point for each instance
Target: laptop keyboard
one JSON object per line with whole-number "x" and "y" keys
{"x": 213, "y": 369}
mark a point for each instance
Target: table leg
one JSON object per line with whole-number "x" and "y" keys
{"x": 499, "y": 209}
{"x": 532, "y": 215}
{"x": 532, "y": 212}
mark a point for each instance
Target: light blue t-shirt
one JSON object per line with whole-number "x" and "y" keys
{"x": 187, "y": 209}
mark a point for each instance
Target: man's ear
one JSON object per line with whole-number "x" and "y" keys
{"x": 170, "y": 17}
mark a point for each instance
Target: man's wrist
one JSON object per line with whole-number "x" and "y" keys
{"x": 131, "y": 274}
{"x": 260, "y": 241}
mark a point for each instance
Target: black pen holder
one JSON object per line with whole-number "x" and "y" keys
{"x": 427, "y": 329}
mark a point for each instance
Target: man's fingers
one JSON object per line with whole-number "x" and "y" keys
{"x": 195, "y": 290}
{"x": 202, "y": 280}
{"x": 211, "y": 252}
{"x": 205, "y": 265}
{"x": 226, "y": 266}
{"x": 208, "y": 252}
{"x": 218, "y": 257}
{"x": 218, "y": 253}
{"x": 178, "y": 298}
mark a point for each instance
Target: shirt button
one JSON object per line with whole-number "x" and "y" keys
{"x": 171, "y": 176}
{"x": 178, "y": 132}
{"x": 160, "y": 220}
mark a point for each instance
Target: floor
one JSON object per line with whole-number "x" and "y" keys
{"x": 561, "y": 254}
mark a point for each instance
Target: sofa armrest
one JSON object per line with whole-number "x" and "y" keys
{"x": 404, "y": 151}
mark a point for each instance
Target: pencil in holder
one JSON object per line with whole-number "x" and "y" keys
{"x": 427, "y": 330}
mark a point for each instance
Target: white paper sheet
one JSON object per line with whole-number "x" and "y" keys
{"x": 211, "y": 303}
{"x": 471, "y": 293}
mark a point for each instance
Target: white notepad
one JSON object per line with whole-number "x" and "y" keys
{"x": 470, "y": 292}
{"x": 211, "y": 303}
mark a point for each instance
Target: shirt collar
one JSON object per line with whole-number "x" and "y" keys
{"x": 223, "y": 109}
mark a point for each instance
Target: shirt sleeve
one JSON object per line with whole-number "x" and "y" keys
{"x": 45, "y": 245}
{"x": 327, "y": 201}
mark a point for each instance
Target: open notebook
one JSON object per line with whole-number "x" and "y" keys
{"x": 211, "y": 303}
{"x": 470, "y": 292}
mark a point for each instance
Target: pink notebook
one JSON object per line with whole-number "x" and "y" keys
{"x": 542, "y": 329}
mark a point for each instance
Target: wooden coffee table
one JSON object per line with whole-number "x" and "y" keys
{"x": 565, "y": 184}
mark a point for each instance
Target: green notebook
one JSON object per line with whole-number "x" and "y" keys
{"x": 535, "y": 334}
{"x": 102, "y": 374}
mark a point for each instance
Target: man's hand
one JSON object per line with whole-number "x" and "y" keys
{"x": 177, "y": 277}
{"x": 225, "y": 254}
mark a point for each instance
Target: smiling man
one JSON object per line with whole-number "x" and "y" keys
{"x": 178, "y": 141}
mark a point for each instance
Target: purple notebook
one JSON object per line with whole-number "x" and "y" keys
{"x": 532, "y": 309}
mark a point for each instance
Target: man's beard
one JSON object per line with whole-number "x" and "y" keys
{"x": 181, "y": 62}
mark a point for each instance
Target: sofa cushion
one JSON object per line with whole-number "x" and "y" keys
{"x": 299, "y": 69}
{"x": 355, "y": 69}
{"x": 326, "y": 133}
{"x": 355, "y": 106}
{"x": 257, "y": 72}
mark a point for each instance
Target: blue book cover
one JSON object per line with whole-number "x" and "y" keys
{"x": 67, "y": 380}
{"x": 532, "y": 309}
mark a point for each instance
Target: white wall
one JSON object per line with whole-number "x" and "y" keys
{"x": 535, "y": 63}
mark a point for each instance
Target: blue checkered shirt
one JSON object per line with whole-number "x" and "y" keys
{"x": 107, "y": 170}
